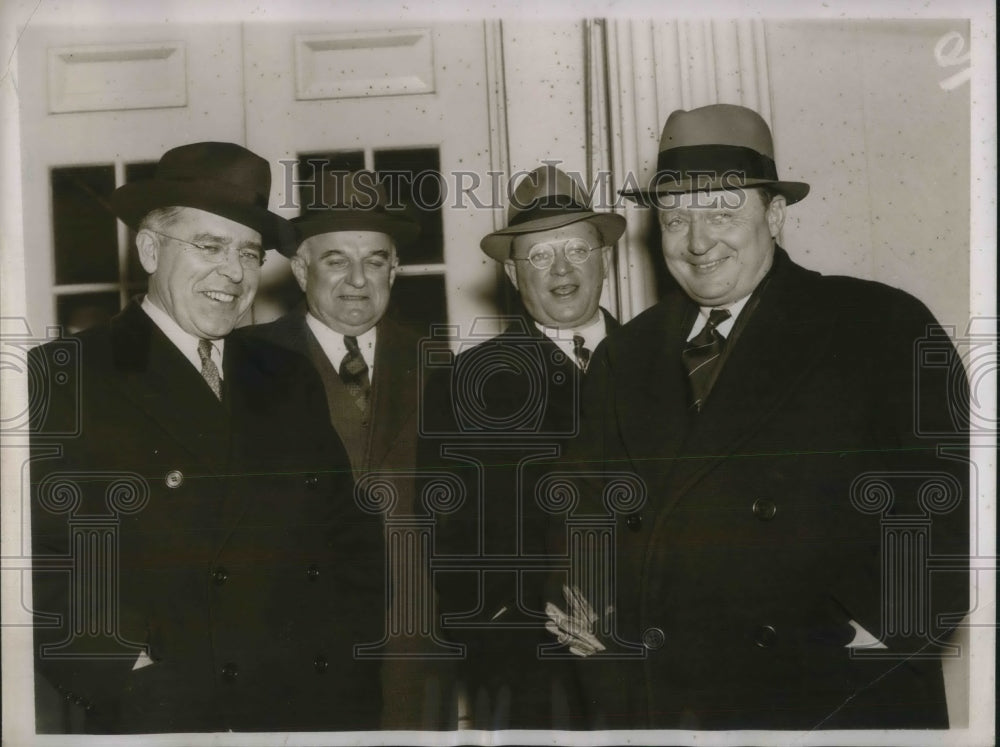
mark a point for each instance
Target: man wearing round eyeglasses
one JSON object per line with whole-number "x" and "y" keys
{"x": 557, "y": 253}
{"x": 510, "y": 401}
{"x": 235, "y": 573}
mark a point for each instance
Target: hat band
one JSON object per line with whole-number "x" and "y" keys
{"x": 710, "y": 163}
{"x": 546, "y": 209}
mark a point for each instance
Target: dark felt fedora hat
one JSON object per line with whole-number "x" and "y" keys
{"x": 721, "y": 146}
{"x": 221, "y": 178}
{"x": 354, "y": 201}
{"x": 545, "y": 199}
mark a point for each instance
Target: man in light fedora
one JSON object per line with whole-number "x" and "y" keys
{"x": 515, "y": 398}
{"x": 199, "y": 562}
{"x": 345, "y": 259}
{"x": 770, "y": 412}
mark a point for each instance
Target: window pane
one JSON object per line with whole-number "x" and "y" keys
{"x": 419, "y": 301}
{"x": 136, "y": 172}
{"x": 413, "y": 177}
{"x": 311, "y": 165}
{"x": 84, "y": 232}
{"x": 80, "y": 311}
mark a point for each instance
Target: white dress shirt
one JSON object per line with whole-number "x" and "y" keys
{"x": 332, "y": 343}
{"x": 183, "y": 341}
{"x": 727, "y": 326}
{"x": 592, "y": 335}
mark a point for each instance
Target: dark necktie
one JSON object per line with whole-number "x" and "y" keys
{"x": 701, "y": 357}
{"x": 354, "y": 373}
{"x": 209, "y": 371}
{"x": 581, "y": 351}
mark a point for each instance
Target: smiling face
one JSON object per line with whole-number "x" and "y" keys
{"x": 719, "y": 246}
{"x": 206, "y": 299}
{"x": 347, "y": 276}
{"x": 564, "y": 295}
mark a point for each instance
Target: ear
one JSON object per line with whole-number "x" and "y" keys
{"x": 300, "y": 269}
{"x": 775, "y": 215}
{"x": 148, "y": 247}
{"x": 393, "y": 266}
{"x": 606, "y": 259}
{"x": 511, "y": 269}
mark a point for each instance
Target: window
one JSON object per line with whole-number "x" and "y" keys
{"x": 96, "y": 269}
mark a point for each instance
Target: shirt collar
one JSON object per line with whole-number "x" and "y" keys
{"x": 591, "y": 333}
{"x": 182, "y": 340}
{"x": 727, "y": 326}
{"x": 332, "y": 343}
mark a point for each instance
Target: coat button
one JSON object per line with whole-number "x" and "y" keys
{"x": 320, "y": 664}
{"x": 764, "y": 509}
{"x": 230, "y": 671}
{"x": 174, "y": 478}
{"x": 634, "y": 522}
{"x": 765, "y": 637}
{"x": 312, "y": 572}
{"x": 653, "y": 638}
{"x": 220, "y": 575}
{"x": 312, "y": 482}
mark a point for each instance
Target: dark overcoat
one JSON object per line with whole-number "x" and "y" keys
{"x": 383, "y": 443}
{"x": 219, "y": 538}
{"x": 501, "y": 416}
{"x": 816, "y": 487}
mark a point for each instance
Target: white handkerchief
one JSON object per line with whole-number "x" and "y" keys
{"x": 142, "y": 661}
{"x": 863, "y": 639}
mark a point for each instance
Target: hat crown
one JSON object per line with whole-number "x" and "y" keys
{"x": 354, "y": 201}
{"x": 546, "y": 191}
{"x": 718, "y": 124}
{"x": 349, "y": 190}
{"x": 243, "y": 172}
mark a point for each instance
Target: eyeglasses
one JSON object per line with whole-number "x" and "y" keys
{"x": 216, "y": 254}
{"x": 542, "y": 256}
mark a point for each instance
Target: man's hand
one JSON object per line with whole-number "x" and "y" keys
{"x": 577, "y": 627}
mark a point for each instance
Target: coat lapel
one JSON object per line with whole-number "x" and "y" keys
{"x": 158, "y": 379}
{"x": 776, "y": 348}
{"x": 653, "y": 392}
{"x": 393, "y": 391}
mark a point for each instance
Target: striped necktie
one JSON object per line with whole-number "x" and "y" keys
{"x": 581, "y": 351}
{"x": 354, "y": 373}
{"x": 209, "y": 371}
{"x": 701, "y": 357}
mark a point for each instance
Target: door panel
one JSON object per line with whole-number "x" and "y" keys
{"x": 417, "y": 104}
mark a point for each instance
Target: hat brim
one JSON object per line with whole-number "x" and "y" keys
{"x": 132, "y": 202}
{"x": 791, "y": 191}
{"x": 401, "y": 230}
{"x": 497, "y": 244}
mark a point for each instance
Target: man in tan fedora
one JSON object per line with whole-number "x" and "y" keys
{"x": 770, "y": 413}
{"x": 511, "y": 400}
{"x": 345, "y": 259}
{"x": 199, "y": 561}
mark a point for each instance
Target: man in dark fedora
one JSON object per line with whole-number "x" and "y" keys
{"x": 345, "y": 259}
{"x": 770, "y": 412}
{"x": 199, "y": 561}
{"x": 508, "y": 402}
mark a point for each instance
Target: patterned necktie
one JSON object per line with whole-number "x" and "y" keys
{"x": 209, "y": 371}
{"x": 581, "y": 352}
{"x": 354, "y": 373}
{"x": 701, "y": 357}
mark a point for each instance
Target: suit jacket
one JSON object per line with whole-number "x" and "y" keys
{"x": 503, "y": 414}
{"x": 243, "y": 570}
{"x": 390, "y": 439}
{"x": 767, "y": 523}
{"x": 414, "y": 689}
